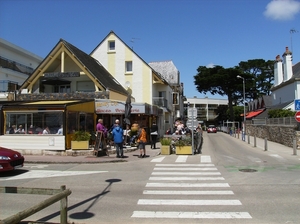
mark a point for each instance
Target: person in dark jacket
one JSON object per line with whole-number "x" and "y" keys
{"x": 154, "y": 134}
{"x": 117, "y": 134}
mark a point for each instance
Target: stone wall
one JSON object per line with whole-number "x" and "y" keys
{"x": 280, "y": 134}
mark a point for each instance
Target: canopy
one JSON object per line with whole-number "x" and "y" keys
{"x": 252, "y": 114}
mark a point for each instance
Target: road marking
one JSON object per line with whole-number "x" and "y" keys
{"x": 181, "y": 159}
{"x": 189, "y": 192}
{"x": 205, "y": 159}
{"x": 192, "y": 215}
{"x": 180, "y": 168}
{"x": 36, "y": 166}
{"x": 187, "y": 174}
{"x": 51, "y": 173}
{"x": 188, "y": 202}
{"x": 158, "y": 160}
{"x": 187, "y": 185}
{"x": 185, "y": 165}
{"x": 186, "y": 178}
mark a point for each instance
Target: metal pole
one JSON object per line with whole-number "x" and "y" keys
{"x": 266, "y": 144}
{"x": 294, "y": 147}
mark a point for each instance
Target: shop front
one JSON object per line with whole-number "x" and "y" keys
{"x": 35, "y": 127}
{"x": 141, "y": 113}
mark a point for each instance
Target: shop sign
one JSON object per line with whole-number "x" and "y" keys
{"x": 116, "y": 107}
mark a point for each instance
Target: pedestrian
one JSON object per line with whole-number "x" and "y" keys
{"x": 102, "y": 131}
{"x": 60, "y": 130}
{"x": 20, "y": 130}
{"x": 12, "y": 130}
{"x": 117, "y": 134}
{"x": 126, "y": 134}
{"x": 46, "y": 131}
{"x": 142, "y": 139}
{"x": 154, "y": 134}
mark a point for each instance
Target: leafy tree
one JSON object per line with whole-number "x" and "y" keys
{"x": 218, "y": 80}
{"x": 260, "y": 72}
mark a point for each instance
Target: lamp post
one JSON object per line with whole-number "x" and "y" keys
{"x": 244, "y": 131}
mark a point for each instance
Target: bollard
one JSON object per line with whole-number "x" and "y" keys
{"x": 294, "y": 147}
{"x": 254, "y": 141}
{"x": 266, "y": 145}
{"x": 248, "y": 139}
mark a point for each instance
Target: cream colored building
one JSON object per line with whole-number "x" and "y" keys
{"x": 144, "y": 83}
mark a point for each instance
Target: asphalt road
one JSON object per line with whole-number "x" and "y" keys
{"x": 231, "y": 182}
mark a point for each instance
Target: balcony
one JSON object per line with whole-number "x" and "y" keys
{"x": 160, "y": 101}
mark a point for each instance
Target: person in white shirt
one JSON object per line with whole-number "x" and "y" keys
{"x": 20, "y": 130}
{"x": 46, "y": 131}
{"x": 126, "y": 135}
{"x": 60, "y": 131}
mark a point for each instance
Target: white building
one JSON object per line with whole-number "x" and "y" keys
{"x": 287, "y": 81}
{"x": 16, "y": 64}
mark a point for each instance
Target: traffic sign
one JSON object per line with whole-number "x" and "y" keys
{"x": 192, "y": 123}
{"x": 192, "y": 112}
{"x": 297, "y": 116}
{"x": 297, "y": 104}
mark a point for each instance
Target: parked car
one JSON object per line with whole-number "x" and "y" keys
{"x": 10, "y": 159}
{"x": 211, "y": 129}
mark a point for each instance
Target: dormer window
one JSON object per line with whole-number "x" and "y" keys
{"x": 111, "y": 45}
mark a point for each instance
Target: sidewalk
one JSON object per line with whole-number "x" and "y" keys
{"x": 86, "y": 156}
{"x": 268, "y": 146}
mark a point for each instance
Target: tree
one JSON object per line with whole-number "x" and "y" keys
{"x": 218, "y": 80}
{"x": 260, "y": 72}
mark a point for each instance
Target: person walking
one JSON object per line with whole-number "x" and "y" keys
{"x": 142, "y": 140}
{"x": 154, "y": 134}
{"x": 117, "y": 134}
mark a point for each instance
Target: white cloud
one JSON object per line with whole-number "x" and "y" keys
{"x": 282, "y": 9}
{"x": 210, "y": 65}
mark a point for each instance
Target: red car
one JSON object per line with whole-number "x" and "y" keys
{"x": 211, "y": 129}
{"x": 10, "y": 159}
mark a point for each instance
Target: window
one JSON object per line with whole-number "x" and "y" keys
{"x": 128, "y": 66}
{"x": 111, "y": 46}
{"x": 35, "y": 121}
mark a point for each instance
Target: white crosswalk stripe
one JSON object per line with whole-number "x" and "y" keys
{"x": 178, "y": 180}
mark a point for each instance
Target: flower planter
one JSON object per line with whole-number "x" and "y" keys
{"x": 79, "y": 145}
{"x": 165, "y": 150}
{"x": 184, "y": 150}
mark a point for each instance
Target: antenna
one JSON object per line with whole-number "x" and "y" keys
{"x": 133, "y": 40}
{"x": 291, "y": 32}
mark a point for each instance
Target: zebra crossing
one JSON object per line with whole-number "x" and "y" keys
{"x": 185, "y": 187}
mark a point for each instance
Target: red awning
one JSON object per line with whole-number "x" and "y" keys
{"x": 252, "y": 114}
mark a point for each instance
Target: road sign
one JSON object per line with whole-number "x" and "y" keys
{"x": 192, "y": 123}
{"x": 297, "y": 104}
{"x": 297, "y": 116}
{"x": 192, "y": 112}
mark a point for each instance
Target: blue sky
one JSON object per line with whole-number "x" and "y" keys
{"x": 191, "y": 33}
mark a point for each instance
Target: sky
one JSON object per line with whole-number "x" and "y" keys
{"x": 191, "y": 33}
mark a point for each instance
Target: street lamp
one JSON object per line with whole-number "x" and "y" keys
{"x": 244, "y": 131}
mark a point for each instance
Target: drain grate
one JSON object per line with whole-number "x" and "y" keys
{"x": 248, "y": 170}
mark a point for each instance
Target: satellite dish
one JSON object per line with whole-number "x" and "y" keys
{"x": 127, "y": 84}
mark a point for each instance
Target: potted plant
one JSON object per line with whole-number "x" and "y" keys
{"x": 165, "y": 146}
{"x": 184, "y": 145}
{"x": 80, "y": 140}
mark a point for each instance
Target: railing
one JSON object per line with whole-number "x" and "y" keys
{"x": 58, "y": 194}
{"x": 160, "y": 101}
{"x": 6, "y": 63}
{"x": 275, "y": 121}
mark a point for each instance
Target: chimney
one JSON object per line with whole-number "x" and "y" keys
{"x": 287, "y": 65}
{"x": 278, "y": 75}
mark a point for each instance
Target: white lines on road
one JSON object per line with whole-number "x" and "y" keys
{"x": 188, "y": 202}
{"x": 178, "y": 165}
{"x": 184, "y": 169}
{"x": 205, "y": 159}
{"x": 51, "y": 173}
{"x": 181, "y": 159}
{"x": 158, "y": 160}
{"x": 187, "y": 185}
{"x": 186, "y": 178}
{"x": 192, "y": 215}
{"x": 188, "y": 192}
{"x": 187, "y": 173}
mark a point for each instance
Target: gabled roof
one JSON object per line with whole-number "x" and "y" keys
{"x": 167, "y": 70}
{"x": 155, "y": 72}
{"x": 101, "y": 75}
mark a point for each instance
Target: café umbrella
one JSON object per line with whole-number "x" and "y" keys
{"x": 127, "y": 110}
